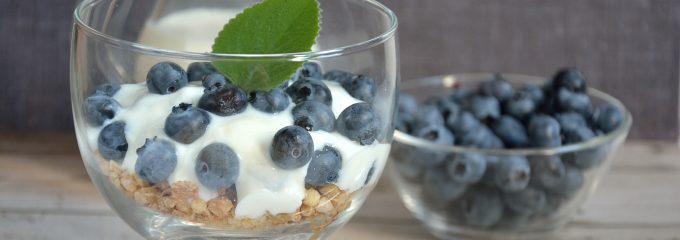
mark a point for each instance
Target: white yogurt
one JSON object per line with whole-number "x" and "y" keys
{"x": 261, "y": 186}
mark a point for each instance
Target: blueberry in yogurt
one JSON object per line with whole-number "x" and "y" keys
{"x": 359, "y": 122}
{"x": 324, "y": 167}
{"x": 197, "y": 71}
{"x": 214, "y": 81}
{"x": 271, "y": 101}
{"x": 99, "y": 108}
{"x": 361, "y": 87}
{"x": 165, "y": 78}
{"x": 314, "y": 116}
{"x": 291, "y": 148}
{"x": 156, "y": 160}
{"x": 112, "y": 142}
{"x": 186, "y": 123}
{"x": 217, "y": 166}
{"x": 307, "y": 89}
{"x": 225, "y": 101}
{"x": 337, "y": 76}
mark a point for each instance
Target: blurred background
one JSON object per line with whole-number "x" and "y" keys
{"x": 629, "y": 48}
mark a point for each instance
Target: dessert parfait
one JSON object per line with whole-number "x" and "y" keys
{"x": 192, "y": 145}
{"x": 279, "y": 129}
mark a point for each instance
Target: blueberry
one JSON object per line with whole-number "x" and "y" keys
{"x": 449, "y": 109}
{"x": 108, "y": 89}
{"x": 513, "y": 173}
{"x": 520, "y": 106}
{"x": 607, "y": 118}
{"x": 186, "y": 123}
{"x": 112, "y": 143}
{"x": 407, "y": 161}
{"x": 570, "y": 121}
{"x": 225, "y": 101}
{"x": 480, "y": 137}
{"x": 459, "y": 94}
{"x": 428, "y": 115}
{"x": 217, "y": 166}
{"x": 534, "y": 92}
{"x": 466, "y": 168}
{"x": 482, "y": 207}
{"x": 434, "y": 133}
{"x": 512, "y": 220}
{"x": 407, "y": 108}
{"x": 498, "y": 88}
{"x": 309, "y": 89}
{"x": 548, "y": 172}
{"x": 272, "y": 101}
{"x": 437, "y": 186}
{"x": 463, "y": 124}
{"x": 544, "y": 131}
{"x": 578, "y": 134}
{"x": 587, "y": 158}
{"x": 314, "y": 116}
{"x": 156, "y": 160}
{"x": 511, "y": 131}
{"x": 292, "y": 147}
{"x": 570, "y": 101}
{"x": 553, "y": 203}
{"x": 406, "y": 103}
{"x": 165, "y": 78}
{"x": 197, "y": 71}
{"x": 214, "y": 82}
{"x": 99, "y": 108}
{"x": 361, "y": 87}
{"x": 570, "y": 79}
{"x": 311, "y": 70}
{"x": 359, "y": 122}
{"x": 324, "y": 167}
{"x": 572, "y": 182}
{"x": 529, "y": 200}
{"x": 484, "y": 107}
{"x": 337, "y": 76}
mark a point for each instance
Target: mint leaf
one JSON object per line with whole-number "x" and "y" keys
{"x": 271, "y": 26}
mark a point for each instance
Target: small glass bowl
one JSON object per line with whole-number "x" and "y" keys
{"x": 479, "y": 210}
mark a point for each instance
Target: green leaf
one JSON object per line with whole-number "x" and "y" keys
{"x": 271, "y": 26}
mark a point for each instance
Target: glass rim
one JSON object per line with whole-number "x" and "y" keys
{"x": 320, "y": 54}
{"x": 622, "y": 130}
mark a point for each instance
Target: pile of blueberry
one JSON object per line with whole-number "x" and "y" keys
{"x": 217, "y": 165}
{"x": 503, "y": 191}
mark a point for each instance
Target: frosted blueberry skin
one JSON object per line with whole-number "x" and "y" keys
{"x": 112, "y": 143}
{"x": 99, "y": 108}
{"x": 272, "y": 101}
{"x": 186, "y": 123}
{"x": 314, "y": 116}
{"x": 217, "y": 166}
{"x": 165, "y": 78}
{"x": 359, "y": 122}
{"x": 324, "y": 167}
{"x": 197, "y": 71}
{"x": 156, "y": 161}
{"x": 291, "y": 148}
{"x": 309, "y": 89}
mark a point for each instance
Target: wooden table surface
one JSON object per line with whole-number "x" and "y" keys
{"x": 46, "y": 194}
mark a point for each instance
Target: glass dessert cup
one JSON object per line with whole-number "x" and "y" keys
{"x": 480, "y": 210}
{"x": 115, "y": 44}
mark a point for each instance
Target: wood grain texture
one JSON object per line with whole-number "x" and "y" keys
{"x": 630, "y": 48}
{"x": 46, "y": 194}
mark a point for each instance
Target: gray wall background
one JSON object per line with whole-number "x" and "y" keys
{"x": 629, "y": 48}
